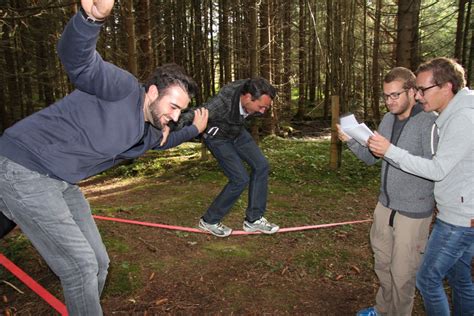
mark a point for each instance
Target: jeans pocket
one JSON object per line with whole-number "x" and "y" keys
{"x": 15, "y": 172}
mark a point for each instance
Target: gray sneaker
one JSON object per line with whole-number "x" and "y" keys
{"x": 219, "y": 229}
{"x": 261, "y": 225}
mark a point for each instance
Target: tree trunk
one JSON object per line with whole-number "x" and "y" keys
{"x": 407, "y": 33}
{"x": 375, "y": 65}
{"x": 239, "y": 46}
{"x": 301, "y": 60}
{"x": 211, "y": 43}
{"x": 265, "y": 39}
{"x": 197, "y": 43}
{"x": 168, "y": 20}
{"x": 328, "y": 83}
{"x": 336, "y": 145}
{"x": 470, "y": 64}
{"x": 458, "y": 45}
{"x": 146, "y": 60}
{"x": 313, "y": 70}
{"x": 252, "y": 9}
{"x": 224, "y": 42}
{"x": 271, "y": 60}
{"x": 207, "y": 68}
{"x": 286, "y": 76}
{"x": 179, "y": 38}
{"x": 365, "y": 63}
{"x": 465, "y": 41}
{"x": 132, "y": 66}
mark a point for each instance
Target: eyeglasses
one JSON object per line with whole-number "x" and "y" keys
{"x": 393, "y": 95}
{"x": 421, "y": 91}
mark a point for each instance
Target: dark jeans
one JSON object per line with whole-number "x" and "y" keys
{"x": 231, "y": 153}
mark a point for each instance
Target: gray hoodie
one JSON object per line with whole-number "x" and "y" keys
{"x": 452, "y": 168}
{"x": 410, "y": 195}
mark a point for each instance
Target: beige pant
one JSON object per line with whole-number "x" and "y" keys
{"x": 398, "y": 251}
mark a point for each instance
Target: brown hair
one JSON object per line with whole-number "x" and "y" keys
{"x": 401, "y": 74}
{"x": 168, "y": 75}
{"x": 445, "y": 70}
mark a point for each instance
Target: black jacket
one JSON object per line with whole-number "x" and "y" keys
{"x": 224, "y": 120}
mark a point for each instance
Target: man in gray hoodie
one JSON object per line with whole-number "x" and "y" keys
{"x": 403, "y": 214}
{"x": 441, "y": 87}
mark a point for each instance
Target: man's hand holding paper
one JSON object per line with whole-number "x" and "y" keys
{"x": 350, "y": 127}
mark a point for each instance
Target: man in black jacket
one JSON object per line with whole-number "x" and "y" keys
{"x": 231, "y": 144}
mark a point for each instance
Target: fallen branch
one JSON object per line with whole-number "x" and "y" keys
{"x": 14, "y": 287}
{"x": 148, "y": 245}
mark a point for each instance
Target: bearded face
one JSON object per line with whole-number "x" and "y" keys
{"x": 167, "y": 106}
{"x": 156, "y": 114}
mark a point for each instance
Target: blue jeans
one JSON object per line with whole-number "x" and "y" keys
{"x": 448, "y": 254}
{"x": 230, "y": 154}
{"x": 56, "y": 217}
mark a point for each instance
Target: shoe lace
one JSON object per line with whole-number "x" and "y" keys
{"x": 263, "y": 222}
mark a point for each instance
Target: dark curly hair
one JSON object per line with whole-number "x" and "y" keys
{"x": 257, "y": 87}
{"x": 169, "y": 75}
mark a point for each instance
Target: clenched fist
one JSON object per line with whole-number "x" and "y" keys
{"x": 98, "y": 9}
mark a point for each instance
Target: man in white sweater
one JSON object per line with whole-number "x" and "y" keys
{"x": 441, "y": 87}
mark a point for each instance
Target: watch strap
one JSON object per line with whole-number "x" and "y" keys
{"x": 89, "y": 19}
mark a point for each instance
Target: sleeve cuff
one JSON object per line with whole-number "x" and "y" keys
{"x": 394, "y": 153}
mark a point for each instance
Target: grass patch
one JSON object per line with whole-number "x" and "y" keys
{"x": 313, "y": 261}
{"x": 124, "y": 278}
{"x": 225, "y": 250}
{"x": 116, "y": 245}
{"x": 16, "y": 247}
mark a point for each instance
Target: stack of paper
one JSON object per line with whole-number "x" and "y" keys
{"x": 360, "y": 132}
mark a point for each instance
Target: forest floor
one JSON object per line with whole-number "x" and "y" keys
{"x": 155, "y": 271}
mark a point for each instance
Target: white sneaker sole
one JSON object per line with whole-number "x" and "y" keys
{"x": 268, "y": 232}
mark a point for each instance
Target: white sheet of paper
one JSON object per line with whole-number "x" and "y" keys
{"x": 360, "y": 132}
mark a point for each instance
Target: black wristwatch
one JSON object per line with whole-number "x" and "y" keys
{"x": 89, "y": 19}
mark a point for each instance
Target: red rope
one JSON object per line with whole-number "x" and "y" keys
{"x": 32, "y": 284}
{"x": 238, "y": 232}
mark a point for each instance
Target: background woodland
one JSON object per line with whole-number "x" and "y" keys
{"x": 310, "y": 49}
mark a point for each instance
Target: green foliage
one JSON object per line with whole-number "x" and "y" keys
{"x": 306, "y": 163}
{"x": 15, "y": 248}
{"x": 438, "y": 20}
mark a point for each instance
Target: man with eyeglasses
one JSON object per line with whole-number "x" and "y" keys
{"x": 441, "y": 87}
{"x": 232, "y": 145}
{"x": 405, "y": 205}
